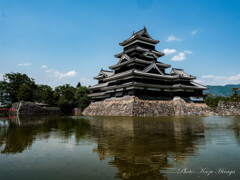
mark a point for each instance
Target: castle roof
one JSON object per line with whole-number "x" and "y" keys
{"x": 141, "y": 35}
{"x": 180, "y": 72}
{"x": 140, "y": 49}
{"x": 138, "y": 72}
{"x": 140, "y": 61}
{"x": 146, "y": 74}
{"x": 103, "y": 74}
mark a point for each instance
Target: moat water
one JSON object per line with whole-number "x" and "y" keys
{"x": 80, "y": 147}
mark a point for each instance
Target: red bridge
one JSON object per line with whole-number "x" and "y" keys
{"x": 6, "y": 110}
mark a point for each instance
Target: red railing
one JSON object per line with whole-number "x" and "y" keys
{"x": 7, "y": 109}
{"x": 8, "y": 117}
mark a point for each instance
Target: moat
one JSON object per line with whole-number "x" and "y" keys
{"x": 87, "y": 147}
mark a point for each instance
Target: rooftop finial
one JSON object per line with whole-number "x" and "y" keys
{"x": 133, "y": 32}
{"x": 144, "y": 27}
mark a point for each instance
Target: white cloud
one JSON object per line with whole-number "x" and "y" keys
{"x": 194, "y": 32}
{"x": 219, "y": 80}
{"x": 207, "y": 76}
{"x": 179, "y": 57}
{"x": 60, "y": 75}
{"x": 24, "y": 64}
{"x": 44, "y": 66}
{"x": 70, "y": 74}
{"x": 188, "y": 52}
{"x": 173, "y": 38}
{"x": 169, "y": 51}
{"x": 235, "y": 78}
{"x": 85, "y": 80}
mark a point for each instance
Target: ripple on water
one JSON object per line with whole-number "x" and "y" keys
{"x": 118, "y": 147}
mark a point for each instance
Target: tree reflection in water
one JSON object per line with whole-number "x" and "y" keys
{"x": 236, "y": 127}
{"x": 19, "y": 134}
{"x": 139, "y": 148}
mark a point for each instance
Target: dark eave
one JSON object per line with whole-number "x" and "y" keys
{"x": 98, "y": 77}
{"x": 143, "y": 74}
{"x": 200, "y": 85}
{"x": 140, "y": 49}
{"x": 139, "y": 61}
{"x": 195, "y": 86}
{"x": 164, "y": 76}
{"x": 98, "y": 86}
{"x": 140, "y": 38}
{"x": 145, "y": 85}
{"x": 96, "y": 94}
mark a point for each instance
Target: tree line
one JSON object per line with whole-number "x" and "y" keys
{"x": 20, "y": 87}
{"x": 212, "y": 101}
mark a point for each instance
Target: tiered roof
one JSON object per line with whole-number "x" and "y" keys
{"x": 138, "y": 61}
{"x": 147, "y": 74}
{"x": 141, "y": 50}
{"x": 145, "y": 66}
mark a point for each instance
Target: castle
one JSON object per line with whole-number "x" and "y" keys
{"x": 139, "y": 73}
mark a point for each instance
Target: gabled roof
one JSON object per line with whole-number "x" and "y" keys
{"x": 150, "y": 54}
{"x": 143, "y": 32}
{"x": 180, "y": 72}
{"x": 142, "y": 35}
{"x": 153, "y": 66}
{"x": 104, "y": 74}
{"x": 124, "y": 57}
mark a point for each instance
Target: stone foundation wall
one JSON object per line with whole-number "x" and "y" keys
{"x": 228, "y": 108}
{"x": 111, "y": 107}
{"x": 31, "y": 108}
{"x": 133, "y": 106}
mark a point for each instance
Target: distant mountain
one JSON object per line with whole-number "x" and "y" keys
{"x": 222, "y": 90}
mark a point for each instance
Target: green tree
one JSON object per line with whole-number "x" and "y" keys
{"x": 65, "y": 89}
{"x": 235, "y": 91}
{"x": 12, "y": 83}
{"x": 38, "y": 94}
{"x": 55, "y": 98}
{"x": 1, "y": 91}
{"x": 78, "y": 85}
{"x": 213, "y": 101}
{"x": 48, "y": 95}
{"x": 235, "y": 97}
{"x": 209, "y": 95}
{"x": 25, "y": 93}
{"x": 81, "y": 97}
{"x": 66, "y": 97}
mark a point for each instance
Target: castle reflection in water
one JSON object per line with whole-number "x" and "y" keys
{"x": 138, "y": 147}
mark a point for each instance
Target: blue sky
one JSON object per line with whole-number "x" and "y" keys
{"x": 66, "y": 41}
